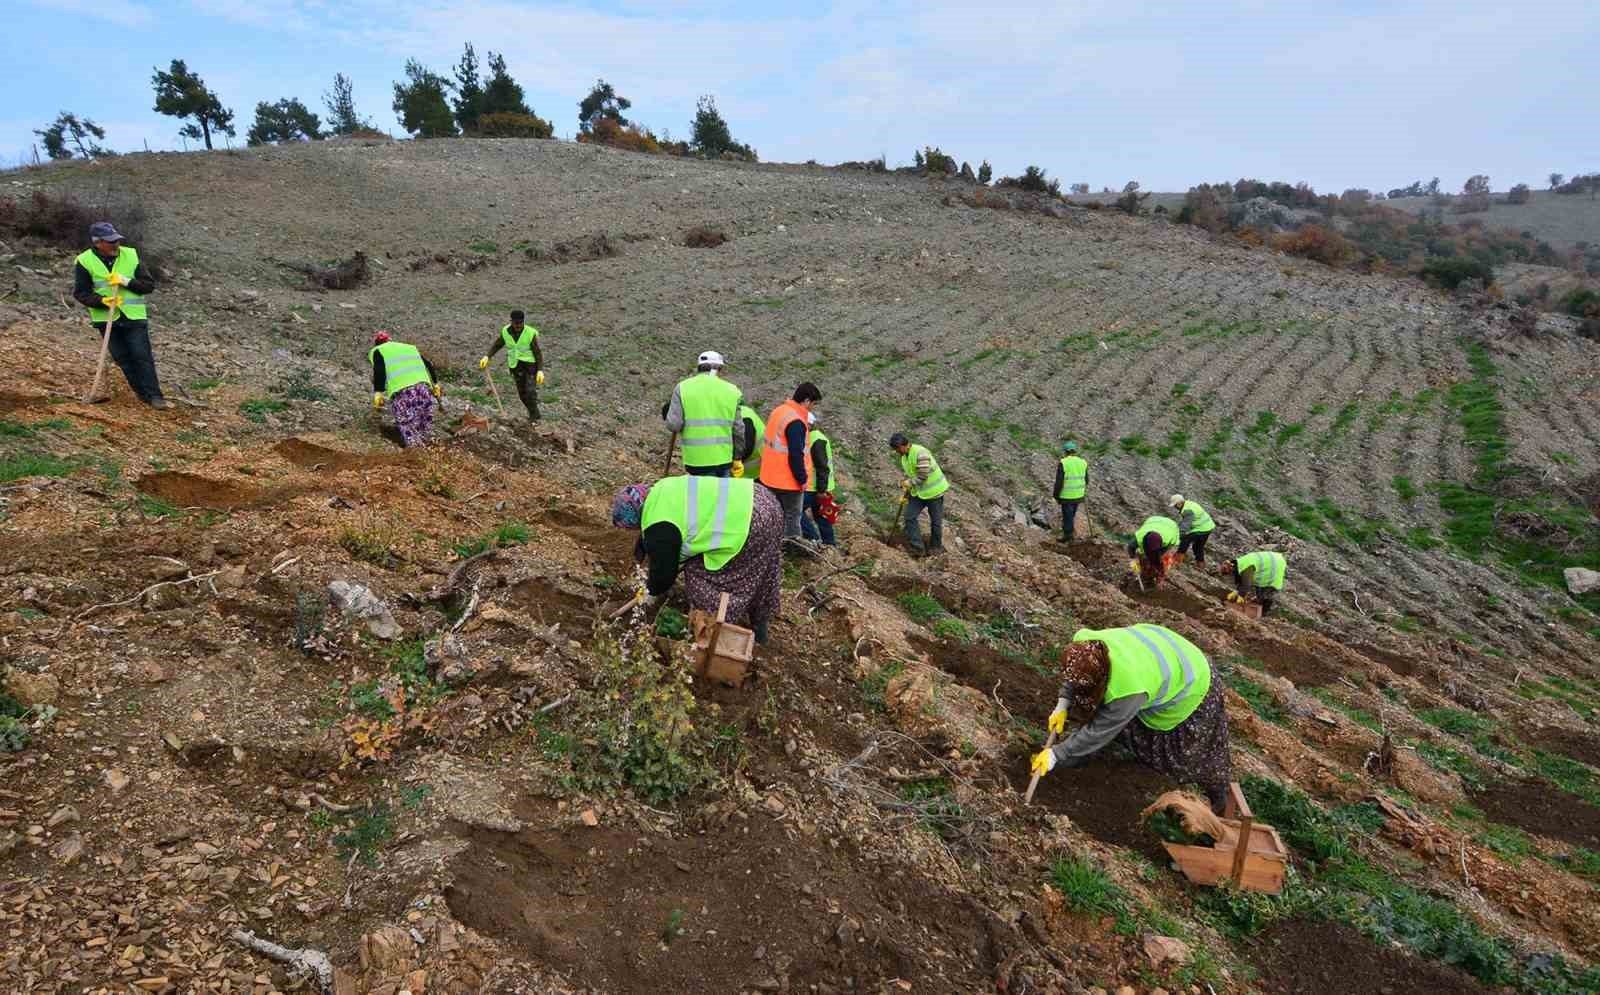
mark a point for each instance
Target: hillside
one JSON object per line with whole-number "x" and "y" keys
{"x": 435, "y": 803}
{"x": 1563, "y": 220}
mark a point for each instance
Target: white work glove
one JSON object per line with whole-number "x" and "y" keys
{"x": 648, "y": 601}
{"x": 1043, "y": 762}
{"x": 1058, "y": 718}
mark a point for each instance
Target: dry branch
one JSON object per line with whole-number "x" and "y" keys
{"x": 302, "y": 962}
{"x": 343, "y": 276}
{"x": 128, "y": 601}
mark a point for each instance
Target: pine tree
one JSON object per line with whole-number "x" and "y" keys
{"x": 469, "y": 102}
{"x": 288, "y": 120}
{"x": 81, "y": 133}
{"x": 420, "y": 103}
{"x": 182, "y": 94}
{"x": 341, "y": 104}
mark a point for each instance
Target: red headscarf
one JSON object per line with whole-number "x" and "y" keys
{"x": 380, "y": 337}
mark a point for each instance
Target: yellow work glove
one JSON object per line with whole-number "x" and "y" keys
{"x": 438, "y": 392}
{"x": 377, "y": 401}
{"x": 738, "y": 468}
{"x": 1057, "y": 722}
{"x": 905, "y": 487}
{"x": 112, "y": 301}
{"x": 483, "y": 364}
{"x": 117, "y": 280}
{"x": 1042, "y": 763}
{"x": 538, "y": 378}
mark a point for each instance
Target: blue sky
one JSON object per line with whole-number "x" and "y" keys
{"x": 1338, "y": 93}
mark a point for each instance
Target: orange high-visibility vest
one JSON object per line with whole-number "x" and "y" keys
{"x": 775, "y": 472}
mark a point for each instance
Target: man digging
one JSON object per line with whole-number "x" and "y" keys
{"x": 526, "y": 362}
{"x": 109, "y": 278}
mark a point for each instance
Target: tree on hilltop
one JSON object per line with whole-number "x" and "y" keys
{"x": 503, "y": 94}
{"x": 182, "y": 94}
{"x": 341, "y": 104}
{"x": 69, "y": 135}
{"x": 288, "y": 120}
{"x": 420, "y": 104}
{"x": 1556, "y": 179}
{"x": 709, "y": 132}
{"x": 469, "y": 96}
{"x": 605, "y": 102}
{"x": 985, "y": 172}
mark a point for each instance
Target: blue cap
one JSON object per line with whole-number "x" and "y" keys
{"x": 104, "y": 231}
{"x": 1070, "y": 447}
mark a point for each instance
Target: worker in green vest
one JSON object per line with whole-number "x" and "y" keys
{"x": 704, "y": 416}
{"x": 112, "y": 283}
{"x": 1072, "y": 483}
{"x": 1194, "y": 526}
{"x": 747, "y": 459}
{"x": 402, "y": 374}
{"x": 1257, "y": 576}
{"x": 815, "y": 522}
{"x": 1153, "y": 540}
{"x": 1155, "y": 690}
{"x": 526, "y": 362}
{"x": 724, "y": 535}
{"x": 924, "y": 486}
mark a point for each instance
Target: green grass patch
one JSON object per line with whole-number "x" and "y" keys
{"x": 873, "y": 685}
{"x": 1265, "y": 422}
{"x": 28, "y": 430}
{"x": 1568, "y": 774}
{"x": 1449, "y": 759}
{"x": 1088, "y": 889}
{"x": 1260, "y": 699}
{"x": 23, "y": 465}
{"x": 1405, "y": 489}
{"x": 1177, "y": 442}
{"x": 1209, "y": 456}
{"x": 920, "y": 606}
{"x": 258, "y": 408}
{"x": 1287, "y": 432}
{"x": 484, "y": 248}
{"x": 1135, "y": 445}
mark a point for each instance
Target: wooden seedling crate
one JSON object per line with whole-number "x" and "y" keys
{"x": 1249, "y": 609}
{"x": 722, "y": 651}
{"x": 1257, "y": 865}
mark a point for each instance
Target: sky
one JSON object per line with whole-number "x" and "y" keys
{"x": 1338, "y": 93}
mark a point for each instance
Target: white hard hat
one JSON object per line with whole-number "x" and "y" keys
{"x": 711, "y": 357}
{"x": 1177, "y": 500}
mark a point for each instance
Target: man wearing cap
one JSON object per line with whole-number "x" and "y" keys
{"x": 1072, "y": 482}
{"x": 1194, "y": 526}
{"x": 704, "y": 414}
{"x": 110, "y": 278}
{"x": 924, "y": 486}
{"x": 521, "y": 341}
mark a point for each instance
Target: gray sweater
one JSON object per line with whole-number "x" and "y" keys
{"x": 1109, "y": 720}
{"x": 673, "y": 416}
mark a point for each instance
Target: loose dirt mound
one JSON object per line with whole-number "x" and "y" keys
{"x": 310, "y": 456}
{"x": 704, "y": 237}
{"x": 1175, "y": 600}
{"x": 1301, "y": 666}
{"x": 1104, "y": 797}
{"x": 1311, "y": 957}
{"x": 1541, "y": 809}
{"x": 743, "y": 906}
{"x": 188, "y": 490}
{"x": 1026, "y": 692}
{"x": 549, "y": 603}
{"x": 1582, "y": 746}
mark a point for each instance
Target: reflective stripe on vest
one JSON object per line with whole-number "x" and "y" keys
{"x": 126, "y": 266}
{"x": 402, "y": 366}
{"x": 519, "y": 349}
{"x": 1202, "y": 521}
{"x": 1165, "y": 527}
{"x": 710, "y": 408}
{"x": 1269, "y": 567}
{"x": 1155, "y": 661}
{"x": 827, "y": 452}
{"x": 935, "y": 485}
{"x": 712, "y": 513}
{"x": 775, "y": 472}
{"x": 1074, "y": 477}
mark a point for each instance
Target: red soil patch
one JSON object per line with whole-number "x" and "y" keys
{"x": 16, "y": 402}
{"x": 1025, "y": 691}
{"x": 1541, "y": 809}
{"x": 1093, "y": 555}
{"x": 745, "y": 906}
{"x": 1173, "y": 599}
{"x": 1406, "y": 666}
{"x": 611, "y": 545}
{"x": 188, "y": 490}
{"x": 546, "y": 602}
{"x": 310, "y": 456}
{"x": 1314, "y": 957}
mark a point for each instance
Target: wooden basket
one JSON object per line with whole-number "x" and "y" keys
{"x": 1257, "y": 865}
{"x": 722, "y": 651}
{"x": 1249, "y": 609}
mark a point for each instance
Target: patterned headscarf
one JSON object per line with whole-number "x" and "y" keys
{"x": 1085, "y": 669}
{"x": 627, "y": 506}
{"x": 380, "y": 337}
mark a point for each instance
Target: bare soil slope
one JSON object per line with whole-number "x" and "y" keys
{"x": 229, "y": 752}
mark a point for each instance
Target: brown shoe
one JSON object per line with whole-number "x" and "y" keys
{"x": 159, "y": 403}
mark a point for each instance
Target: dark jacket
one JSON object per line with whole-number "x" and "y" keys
{"x": 819, "y": 464}
{"x": 794, "y": 436}
{"x": 83, "y": 290}
{"x": 662, "y": 544}
{"x": 379, "y": 378}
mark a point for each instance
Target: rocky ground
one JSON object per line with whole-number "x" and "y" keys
{"x": 445, "y": 792}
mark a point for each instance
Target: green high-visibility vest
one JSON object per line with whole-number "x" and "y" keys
{"x": 1165, "y": 527}
{"x": 752, "y": 463}
{"x": 1074, "y": 477}
{"x": 1166, "y": 667}
{"x": 1270, "y": 568}
{"x": 827, "y": 450}
{"x": 1202, "y": 521}
{"x": 126, "y": 266}
{"x": 935, "y": 485}
{"x": 519, "y": 349}
{"x": 713, "y": 513}
{"x": 402, "y": 366}
{"x": 710, "y": 406}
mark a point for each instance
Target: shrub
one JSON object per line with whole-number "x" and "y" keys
{"x": 1315, "y": 242}
{"x": 606, "y": 131}
{"x": 509, "y": 124}
{"x": 1450, "y": 272}
{"x": 1583, "y": 302}
{"x": 62, "y": 220}
{"x": 1033, "y": 178}
{"x": 1519, "y": 194}
{"x": 934, "y": 160}
{"x": 985, "y": 172}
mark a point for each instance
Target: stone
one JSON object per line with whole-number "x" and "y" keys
{"x": 385, "y": 949}
{"x": 33, "y": 689}
{"x": 589, "y": 818}
{"x": 1162, "y": 949}
{"x": 1582, "y": 581}
{"x": 65, "y": 813}
{"x": 116, "y": 780}
{"x": 68, "y": 850}
{"x": 1127, "y": 990}
{"x": 231, "y": 578}
{"x": 8, "y": 841}
{"x": 775, "y": 805}
{"x": 353, "y": 599}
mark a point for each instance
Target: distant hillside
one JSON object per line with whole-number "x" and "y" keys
{"x": 1560, "y": 219}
